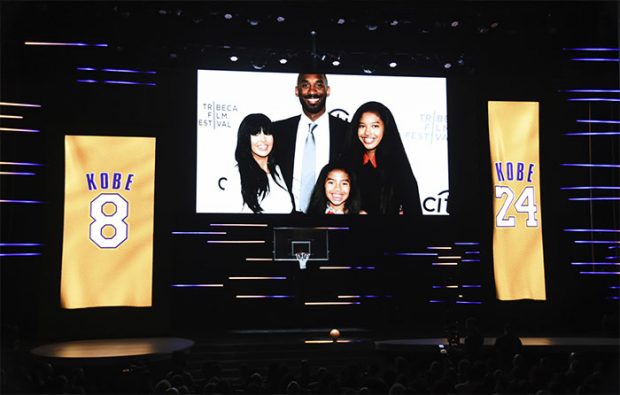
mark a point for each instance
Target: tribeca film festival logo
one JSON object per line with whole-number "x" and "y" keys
{"x": 434, "y": 128}
{"x": 216, "y": 115}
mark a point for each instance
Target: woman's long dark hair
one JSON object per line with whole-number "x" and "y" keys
{"x": 254, "y": 181}
{"x": 392, "y": 163}
{"x": 318, "y": 200}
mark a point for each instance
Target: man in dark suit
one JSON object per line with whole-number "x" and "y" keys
{"x": 307, "y": 142}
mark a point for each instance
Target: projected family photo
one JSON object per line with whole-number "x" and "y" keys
{"x": 281, "y": 143}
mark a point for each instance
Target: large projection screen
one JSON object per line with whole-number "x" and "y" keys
{"x": 224, "y": 98}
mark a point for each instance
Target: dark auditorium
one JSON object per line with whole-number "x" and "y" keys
{"x": 310, "y": 197}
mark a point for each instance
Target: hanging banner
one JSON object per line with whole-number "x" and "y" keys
{"x": 107, "y": 257}
{"x": 517, "y": 237}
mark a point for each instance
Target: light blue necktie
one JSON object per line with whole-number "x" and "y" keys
{"x": 308, "y": 168}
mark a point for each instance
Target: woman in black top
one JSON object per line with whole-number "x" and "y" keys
{"x": 376, "y": 153}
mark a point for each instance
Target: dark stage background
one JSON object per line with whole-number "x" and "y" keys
{"x": 487, "y": 51}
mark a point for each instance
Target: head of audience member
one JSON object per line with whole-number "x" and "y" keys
{"x": 312, "y": 90}
{"x": 335, "y": 192}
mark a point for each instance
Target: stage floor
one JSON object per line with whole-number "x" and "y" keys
{"x": 153, "y": 347}
{"x": 113, "y": 348}
{"x": 591, "y": 343}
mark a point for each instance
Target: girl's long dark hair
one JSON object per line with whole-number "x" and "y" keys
{"x": 254, "y": 181}
{"x": 392, "y": 162}
{"x": 318, "y": 200}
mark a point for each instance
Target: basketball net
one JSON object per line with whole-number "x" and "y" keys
{"x": 302, "y": 258}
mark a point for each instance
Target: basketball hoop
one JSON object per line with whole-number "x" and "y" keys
{"x": 302, "y": 258}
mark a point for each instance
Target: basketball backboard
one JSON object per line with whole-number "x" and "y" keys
{"x": 289, "y": 241}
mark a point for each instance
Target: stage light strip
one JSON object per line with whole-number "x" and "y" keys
{"x": 590, "y": 188}
{"x": 449, "y": 257}
{"x": 595, "y": 263}
{"x": 257, "y": 278}
{"x": 20, "y": 244}
{"x": 593, "y": 99}
{"x": 614, "y": 297}
{"x": 466, "y": 243}
{"x": 592, "y": 230}
{"x": 111, "y": 70}
{"x": 20, "y": 130}
{"x": 332, "y": 228}
{"x": 471, "y": 286}
{"x": 5, "y": 254}
{"x": 330, "y": 303}
{"x": 597, "y": 242}
{"x": 259, "y": 259}
{"x": 438, "y": 248}
{"x": 445, "y": 263}
{"x": 129, "y": 71}
{"x": 21, "y": 201}
{"x": 601, "y": 273}
{"x": 21, "y": 163}
{"x": 604, "y": 49}
{"x": 11, "y": 116}
{"x": 470, "y": 260}
{"x": 413, "y": 253}
{"x": 596, "y": 59}
{"x": 326, "y": 341}
{"x": 594, "y": 199}
{"x": 346, "y": 268}
{"x": 236, "y": 241}
{"x": 591, "y": 165}
{"x": 592, "y": 134}
{"x": 12, "y": 104}
{"x": 263, "y": 296}
{"x": 197, "y": 233}
{"x": 61, "y": 44}
{"x": 605, "y": 121}
{"x": 242, "y": 225}
{"x": 467, "y": 302}
{"x": 614, "y": 287}
{"x": 17, "y": 173}
{"x": 197, "y": 285}
{"x": 472, "y": 252}
{"x": 90, "y": 81}
{"x": 592, "y": 90}
{"x": 445, "y": 286}
{"x": 114, "y": 82}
